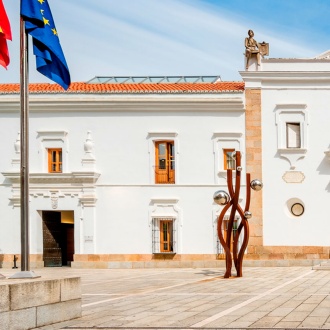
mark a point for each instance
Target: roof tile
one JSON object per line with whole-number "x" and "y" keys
{"x": 168, "y": 88}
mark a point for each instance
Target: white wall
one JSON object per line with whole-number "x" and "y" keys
{"x": 119, "y": 219}
{"x": 300, "y": 85}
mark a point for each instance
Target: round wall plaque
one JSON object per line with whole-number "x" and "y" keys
{"x": 297, "y": 209}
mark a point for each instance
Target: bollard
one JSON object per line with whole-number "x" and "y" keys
{"x": 15, "y": 258}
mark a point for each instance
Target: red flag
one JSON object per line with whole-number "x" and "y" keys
{"x": 5, "y": 33}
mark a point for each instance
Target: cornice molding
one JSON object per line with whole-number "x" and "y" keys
{"x": 285, "y": 75}
{"x": 286, "y": 79}
{"x": 127, "y": 104}
{"x": 52, "y": 178}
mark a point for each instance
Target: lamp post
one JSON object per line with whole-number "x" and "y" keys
{"x": 231, "y": 201}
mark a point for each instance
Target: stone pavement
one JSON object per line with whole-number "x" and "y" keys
{"x": 279, "y": 297}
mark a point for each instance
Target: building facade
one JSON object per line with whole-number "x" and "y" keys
{"x": 290, "y": 100}
{"x": 121, "y": 174}
{"x": 123, "y": 169}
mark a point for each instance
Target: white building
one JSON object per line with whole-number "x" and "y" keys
{"x": 121, "y": 174}
{"x": 123, "y": 170}
{"x": 293, "y": 109}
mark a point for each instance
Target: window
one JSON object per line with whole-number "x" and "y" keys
{"x": 224, "y": 144}
{"x": 55, "y": 160}
{"x": 292, "y": 122}
{"x": 293, "y": 139}
{"x": 229, "y": 160}
{"x": 163, "y": 235}
{"x": 51, "y": 141}
{"x": 165, "y": 162}
{"x": 220, "y": 250}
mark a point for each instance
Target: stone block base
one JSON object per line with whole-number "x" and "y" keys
{"x": 7, "y": 261}
{"x": 257, "y": 256}
{"x": 28, "y": 304}
{"x": 195, "y": 264}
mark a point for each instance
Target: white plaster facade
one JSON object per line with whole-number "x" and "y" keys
{"x": 294, "y": 91}
{"x": 108, "y": 180}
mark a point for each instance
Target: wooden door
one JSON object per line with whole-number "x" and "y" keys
{"x": 69, "y": 244}
{"x": 51, "y": 227}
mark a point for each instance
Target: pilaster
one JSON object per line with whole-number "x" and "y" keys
{"x": 254, "y": 163}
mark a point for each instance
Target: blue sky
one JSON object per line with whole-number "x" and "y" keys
{"x": 174, "y": 37}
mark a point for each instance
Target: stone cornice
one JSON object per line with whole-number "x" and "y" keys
{"x": 280, "y": 75}
{"x": 296, "y": 60}
{"x": 52, "y": 178}
{"x": 125, "y": 104}
{"x": 258, "y": 79}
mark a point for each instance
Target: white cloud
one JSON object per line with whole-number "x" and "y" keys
{"x": 149, "y": 37}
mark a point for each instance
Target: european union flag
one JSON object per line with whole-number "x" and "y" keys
{"x": 40, "y": 25}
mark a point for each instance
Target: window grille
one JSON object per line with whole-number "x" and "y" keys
{"x": 163, "y": 235}
{"x": 219, "y": 249}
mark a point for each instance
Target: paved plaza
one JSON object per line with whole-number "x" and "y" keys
{"x": 280, "y": 297}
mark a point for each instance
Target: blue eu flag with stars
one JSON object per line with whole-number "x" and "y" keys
{"x": 40, "y": 25}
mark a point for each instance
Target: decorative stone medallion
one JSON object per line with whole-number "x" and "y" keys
{"x": 293, "y": 177}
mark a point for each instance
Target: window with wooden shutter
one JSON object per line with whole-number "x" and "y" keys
{"x": 55, "y": 160}
{"x": 219, "y": 249}
{"x": 165, "y": 162}
{"x": 163, "y": 235}
{"x": 229, "y": 160}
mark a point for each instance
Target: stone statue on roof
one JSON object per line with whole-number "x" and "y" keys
{"x": 253, "y": 48}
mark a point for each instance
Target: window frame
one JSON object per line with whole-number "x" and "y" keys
{"x": 52, "y": 140}
{"x": 289, "y": 135}
{"x": 165, "y": 175}
{"x": 158, "y": 242}
{"x": 219, "y": 248}
{"x": 291, "y": 114}
{"x": 225, "y": 159}
{"x": 58, "y": 160}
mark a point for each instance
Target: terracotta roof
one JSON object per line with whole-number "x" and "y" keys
{"x": 166, "y": 88}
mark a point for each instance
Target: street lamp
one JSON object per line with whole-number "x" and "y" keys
{"x": 230, "y": 200}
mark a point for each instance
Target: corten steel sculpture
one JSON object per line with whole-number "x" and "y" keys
{"x": 222, "y": 198}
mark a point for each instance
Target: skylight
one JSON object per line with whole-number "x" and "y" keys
{"x": 154, "y": 79}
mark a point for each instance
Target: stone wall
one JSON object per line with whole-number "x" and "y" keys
{"x": 27, "y": 304}
{"x": 254, "y": 164}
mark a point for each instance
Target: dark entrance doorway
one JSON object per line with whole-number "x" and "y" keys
{"x": 58, "y": 238}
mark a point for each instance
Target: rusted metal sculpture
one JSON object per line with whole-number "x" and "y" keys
{"x": 231, "y": 201}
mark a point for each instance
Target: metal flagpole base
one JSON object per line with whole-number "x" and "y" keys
{"x": 25, "y": 274}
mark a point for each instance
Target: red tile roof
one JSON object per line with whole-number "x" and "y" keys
{"x": 166, "y": 88}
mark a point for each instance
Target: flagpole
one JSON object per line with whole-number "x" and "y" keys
{"x": 24, "y": 174}
{"x": 24, "y": 95}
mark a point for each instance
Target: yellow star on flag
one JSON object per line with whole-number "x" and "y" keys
{"x": 46, "y": 21}
{"x": 54, "y": 31}
{"x": 41, "y": 1}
